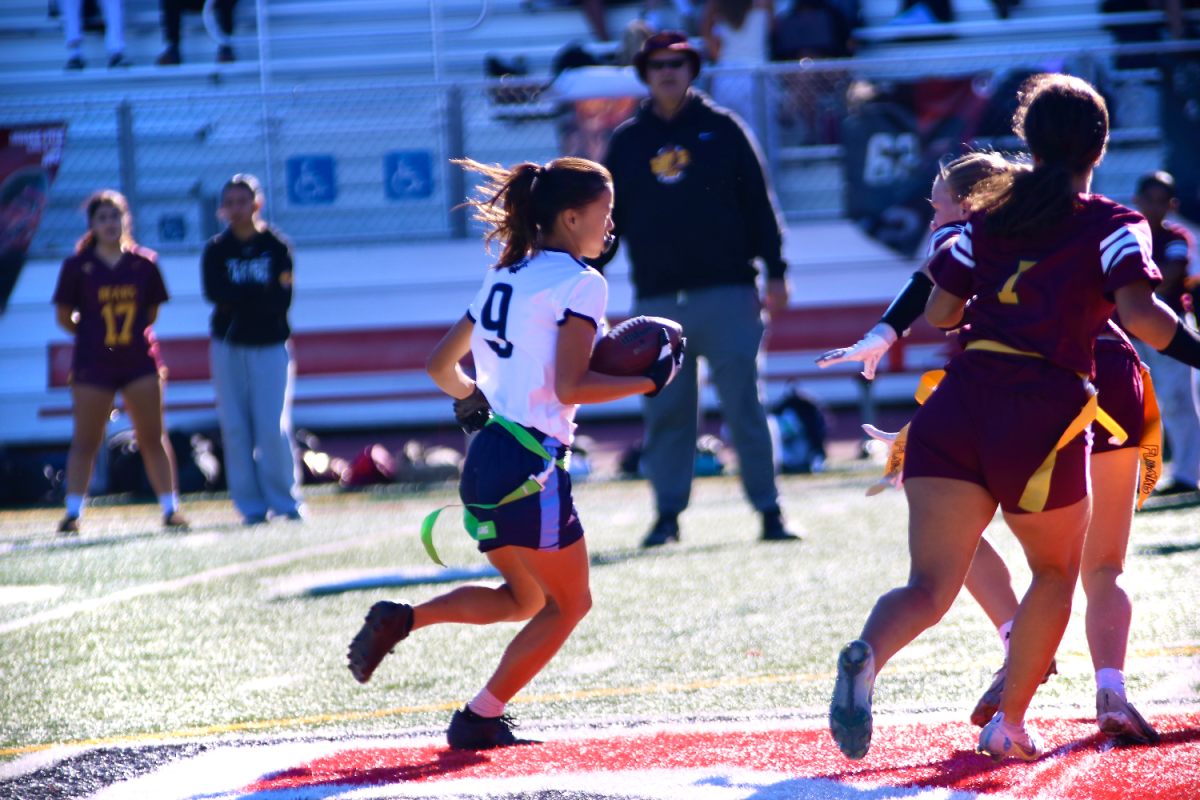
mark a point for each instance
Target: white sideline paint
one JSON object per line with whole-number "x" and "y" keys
{"x": 161, "y": 587}
{"x": 14, "y": 595}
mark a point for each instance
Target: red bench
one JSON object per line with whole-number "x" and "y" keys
{"x": 390, "y": 350}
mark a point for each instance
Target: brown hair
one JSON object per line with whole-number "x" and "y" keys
{"x": 964, "y": 173}
{"x": 520, "y": 205}
{"x": 107, "y": 197}
{"x": 1064, "y": 122}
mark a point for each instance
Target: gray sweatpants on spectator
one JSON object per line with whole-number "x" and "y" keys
{"x": 253, "y": 385}
{"x": 1175, "y": 390}
{"x": 724, "y": 324}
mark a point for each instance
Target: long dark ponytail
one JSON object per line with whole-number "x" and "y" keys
{"x": 520, "y": 205}
{"x": 1064, "y": 122}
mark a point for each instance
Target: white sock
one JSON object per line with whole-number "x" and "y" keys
{"x": 1114, "y": 679}
{"x": 1011, "y": 730}
{"x": 1005, "y": 632}
{"x": 75, "y": 505}
{"x": 169, "y": 502}
{"x": 74, "y": 50}
{"x": 485, "y": 705}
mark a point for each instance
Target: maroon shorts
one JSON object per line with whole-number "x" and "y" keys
{"x": 993, "y": 421}
{"x": 1119, "y": 389}
{"x": 116, "y": 375}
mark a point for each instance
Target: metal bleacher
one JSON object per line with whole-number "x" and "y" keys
{"x": 361, "y": 77}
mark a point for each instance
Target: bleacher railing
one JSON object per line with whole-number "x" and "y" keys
{"x": 370, "y": 163}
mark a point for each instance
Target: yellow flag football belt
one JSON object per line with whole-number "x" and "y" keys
{"x": 1037, "y": 489}
{"x": 534, "y": 484}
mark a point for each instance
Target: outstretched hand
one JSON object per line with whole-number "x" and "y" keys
{"x": 868, "y": 350}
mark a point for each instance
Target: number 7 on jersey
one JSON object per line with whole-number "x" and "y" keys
{"x": 1009, "y": 293}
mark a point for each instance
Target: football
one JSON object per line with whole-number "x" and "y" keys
{"x": 631, "y": 347}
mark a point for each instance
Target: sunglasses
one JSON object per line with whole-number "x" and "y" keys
{"x": 671, "y": 63}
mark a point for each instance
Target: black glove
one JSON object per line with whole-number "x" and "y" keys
{"x": 665, "y": 368}
{"x": 472, "y": 412}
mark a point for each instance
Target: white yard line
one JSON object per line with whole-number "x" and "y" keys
{"x": 160, "y": 587}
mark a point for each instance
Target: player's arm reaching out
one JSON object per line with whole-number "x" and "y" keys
{"x": 1152, "y": 321}
{"x": 899, "y": 317}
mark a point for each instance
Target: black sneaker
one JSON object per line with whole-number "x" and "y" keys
{"x": 1175, "y": 487}
{"x": 118, "y": 60}
{"x": 170, "y": 57}
{"x": 225, "y": 54}
{"x": 75, "y": 63}
{"x": 773, "y": 529}
{"x": 175, "y": 521}
{"x": 665, "y": 530}
{"x": 469, "y": 731}
{"x": 69, "y": 526}
{"x": 387, "y": 625}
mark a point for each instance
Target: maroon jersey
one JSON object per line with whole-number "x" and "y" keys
{"x": 1174, "y": 243}
{"x": 113, "y": 303}
{"x": 1051, "y": 294}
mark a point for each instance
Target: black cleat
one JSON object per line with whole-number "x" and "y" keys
{"x": 387, "y": 625}
{"x": 666, "y": 529}
{"x": 69, "y": 526}
{"x": 773, "y": 529}
{"x": 469, "y": 731}
{"x": 850, "y": 718}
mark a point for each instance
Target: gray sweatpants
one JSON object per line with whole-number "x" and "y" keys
{"x": 253, "y": 385}
{"x": 723, "y": 324}
{"x": 1175, "y": 390}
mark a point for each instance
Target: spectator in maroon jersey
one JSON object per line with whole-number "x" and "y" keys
{"x": 108, "y": 296}
{"x": 1174, "y": 382}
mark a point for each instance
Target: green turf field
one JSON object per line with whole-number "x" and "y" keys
{"x": 158, "y": 633}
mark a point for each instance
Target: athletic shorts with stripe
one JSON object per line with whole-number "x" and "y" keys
{"x": 1120, "y": 393}
{"x": 496, "y": 465}
{"x": 993, "y": 420}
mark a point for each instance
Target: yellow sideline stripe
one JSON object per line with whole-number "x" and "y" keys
{"x": 584, "y": 694}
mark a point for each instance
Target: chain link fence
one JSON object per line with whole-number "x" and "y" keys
{"x": 371, "y": 164}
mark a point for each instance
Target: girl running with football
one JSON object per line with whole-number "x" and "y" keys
{"x": 1114, "y": 466}
{"x": 1044, "y": 265}
{"x": 107, "y": 297}
{"x": 530, "y": 330}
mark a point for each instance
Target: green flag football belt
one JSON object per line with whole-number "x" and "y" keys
{"x": 534, "y": 484}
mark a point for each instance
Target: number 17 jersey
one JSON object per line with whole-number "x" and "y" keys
{"x": 517, "y": 315}
{"x": 1051, "y": 294}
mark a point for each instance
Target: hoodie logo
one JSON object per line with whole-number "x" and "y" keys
{"x": 669, "y": 164}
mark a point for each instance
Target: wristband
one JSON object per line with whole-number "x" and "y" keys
{"x": 1184, "y": 346}
{"x": 909, "y": 305}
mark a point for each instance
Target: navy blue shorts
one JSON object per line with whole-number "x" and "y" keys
{"x": 496, "y": 465}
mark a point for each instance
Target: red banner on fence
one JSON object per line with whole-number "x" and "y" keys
{"x": 29, "y": 159}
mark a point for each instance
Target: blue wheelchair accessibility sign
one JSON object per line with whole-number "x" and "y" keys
{"x": 407, "y": 174}
{"x": 310, "y": 180}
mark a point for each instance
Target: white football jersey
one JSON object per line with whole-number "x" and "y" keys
{"x": 517, "y": 314}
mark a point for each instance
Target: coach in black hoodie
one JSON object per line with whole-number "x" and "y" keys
{"x": 694, "y": 208}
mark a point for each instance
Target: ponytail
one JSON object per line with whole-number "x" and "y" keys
{"x": 1064, "y": 122}
{"x": 521, "y": 205}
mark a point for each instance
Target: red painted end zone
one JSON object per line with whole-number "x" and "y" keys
{"x": 1083, "y": 766}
